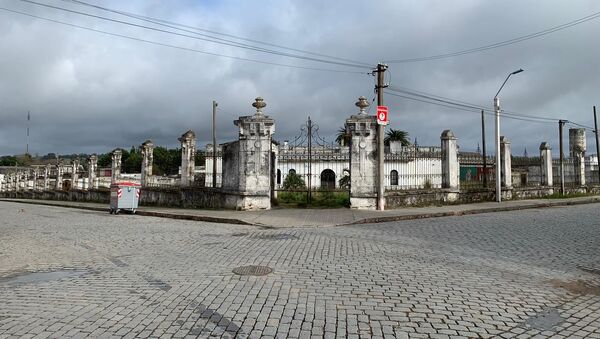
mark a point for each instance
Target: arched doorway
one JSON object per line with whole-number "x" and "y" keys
{"x": 328, "y": 179}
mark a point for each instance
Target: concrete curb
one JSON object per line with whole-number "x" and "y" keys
{"x": 373, "y": 220}
{"x": 143, "y": 213}
{"x": 473, "y": 211}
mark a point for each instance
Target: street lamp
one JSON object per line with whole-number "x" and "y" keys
{"x": 497, "y": 110}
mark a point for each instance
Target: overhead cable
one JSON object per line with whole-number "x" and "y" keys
{"x": 502, "y": 43}
{"x": 180, "y": 47}
{"x": 195, "y": 30}
{"x": 217, "y": 41}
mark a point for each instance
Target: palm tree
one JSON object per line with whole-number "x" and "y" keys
{"x": 343, "y": 138}
{"x": 396, "y": 135}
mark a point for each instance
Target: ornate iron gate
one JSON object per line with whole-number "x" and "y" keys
{"x": 310, "y": 167}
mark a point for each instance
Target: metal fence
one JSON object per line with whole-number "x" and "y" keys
{"x": 476, "y": 172}
{"x": 416, "y": 168}
{"x": 526, "y": 171}
{"x": 591, "y": 172}
{"x": 571, "y": 176}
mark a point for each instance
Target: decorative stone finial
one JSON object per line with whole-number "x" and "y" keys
{"x": 259, "y": 104}
{"x": 362, "y": 103}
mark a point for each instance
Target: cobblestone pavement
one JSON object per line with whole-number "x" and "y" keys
{"x": 523, "y": 274}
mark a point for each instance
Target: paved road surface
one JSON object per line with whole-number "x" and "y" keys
{"x": 75, "y": 273}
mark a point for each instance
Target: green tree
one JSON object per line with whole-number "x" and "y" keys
{"x": 342, "y": 137}
{"x": 9, "y": 161}
{"x": 396, "y": 135}
{"x": 133, "y": 162}
{"x": 166, "y": 161}
{"x": 104, "y": 160}
{"x": 344, "y": 181}
{"x": 293, "y": 181}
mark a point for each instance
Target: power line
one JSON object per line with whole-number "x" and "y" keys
{"x": 502, "y": 43}
{"x": 178, "y": 26}
{"x": 179, "y": 47}
{"x": 213, "y": 40}
{"x": 465, "y": 104}
{"x": 467, "y": 108}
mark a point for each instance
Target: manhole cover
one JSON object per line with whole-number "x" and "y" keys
{"x": 252, "y": 270}
{"x": 545, "y": 320}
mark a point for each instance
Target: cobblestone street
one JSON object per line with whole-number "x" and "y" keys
{"x": 74, "y": 273}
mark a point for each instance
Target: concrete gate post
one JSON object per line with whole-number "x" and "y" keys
{"x": 505, "y": 162}
{"x": 188, "y": 153}
{"x": 546, "y": 156}
{"x": 47, "y": 177}
{"x": 363, "y": 158}
{"x": 147, "y": 160}
{"x": 247, "y": 162}
{"x": 92, "y": 166}
{"x": 450, "y": 165}
{"x": 116, "y": 165}
{"x": 75, "y": 175}
{"x": 59, "y": 179}
{"x": 577, "y": 148}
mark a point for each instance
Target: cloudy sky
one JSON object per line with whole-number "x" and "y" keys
{"x": 91, "y": 92}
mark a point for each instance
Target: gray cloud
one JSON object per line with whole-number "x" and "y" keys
{"x": 90, "y": 92}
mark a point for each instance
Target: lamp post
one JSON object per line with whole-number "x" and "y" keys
{"x": 497, "y": 110}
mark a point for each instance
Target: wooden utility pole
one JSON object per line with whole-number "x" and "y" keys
{"x": 561, "y": 123}
{"x": 381, "y": 68}
{"x": 484, "y": 153}
{"x": 597, "y": 143}
{"x": 214, "y": 140}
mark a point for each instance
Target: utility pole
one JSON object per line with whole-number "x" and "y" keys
{"x": 597, "y": 143}
{"x": 214, "y": 140}
{"x": 28, "y": 119}
{"x": 561, "y": 123}
{"x": 484, "y": 153}
{"x": 381, "y": 68}
{"x": 309, "y": 193}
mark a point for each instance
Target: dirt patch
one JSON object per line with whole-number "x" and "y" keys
{"x": 576, "y": 286}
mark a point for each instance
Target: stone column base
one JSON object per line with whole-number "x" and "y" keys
{"x": 248, "y": 202}
{"x": 507, "y": 193}
{"x": 363, "y": 203}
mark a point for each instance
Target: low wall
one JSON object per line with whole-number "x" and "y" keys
{"x": 95, "y": 195}
{"x": 397, "y": 199}
{"x": 193, "y": 197}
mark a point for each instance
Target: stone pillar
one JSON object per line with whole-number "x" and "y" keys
{"x": 116, "y": 165}
{"x": 59, "y": 180}
{"x": 546, "y": 157}
{"x": 450, "y": 165}
{"x": 505, "y": 162}
{"x": 147, "y": 160}
{"x": 247, "y": 162}
{"x": 188, "y": 153}
{"x": 75, "y": 175}
{"x": 577, "y": 148}
{"x": 92, "y": 167}
{"x": 47, "y": 177}
{"x": 36, "y": 173}
{"x": 363, "y": 159}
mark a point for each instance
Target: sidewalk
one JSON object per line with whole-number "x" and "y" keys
{"x": 285, "y": 218}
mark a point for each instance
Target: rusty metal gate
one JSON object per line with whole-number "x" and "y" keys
{"x": 310, "y": 170}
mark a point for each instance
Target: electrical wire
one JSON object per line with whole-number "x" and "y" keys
{"x": 195, "y": 30}
{"x": 180, "y": 47}
{"x": 502, "y": 43}
{"x": 463, "y": 103}
{"x": 219, "y": 41}
{"x": 467, "y": 109}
